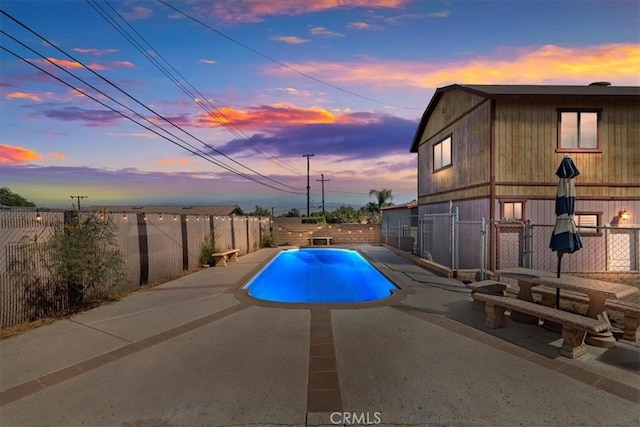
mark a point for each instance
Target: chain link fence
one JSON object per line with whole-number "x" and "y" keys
{"x": 489, "y": 246}
{"x": 154, "y": 247}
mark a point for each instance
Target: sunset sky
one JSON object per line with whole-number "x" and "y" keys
{"x": 215, "y": 102}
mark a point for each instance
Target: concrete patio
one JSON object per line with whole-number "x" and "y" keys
{"x": 191, "y": 352}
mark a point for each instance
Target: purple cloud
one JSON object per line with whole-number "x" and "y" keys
{"x": 89, "y": 117}
{"x": 387, "y": 135}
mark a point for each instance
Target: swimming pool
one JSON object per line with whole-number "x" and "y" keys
{"x": 319, "y": 276}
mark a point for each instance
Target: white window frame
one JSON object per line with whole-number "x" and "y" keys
{"x": 442, "y": 154}
{"x": 510, "y": 206}
{"x": 590, "y": 219}
{"x": 575, "y": 130}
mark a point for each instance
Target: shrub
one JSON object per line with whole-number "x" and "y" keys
{"x": 267, "y": 241}
{"x": 79, "y": 263}
{"x": 207, "y": 249}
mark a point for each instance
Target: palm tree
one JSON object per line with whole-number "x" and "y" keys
{"x": 384, "y": 197}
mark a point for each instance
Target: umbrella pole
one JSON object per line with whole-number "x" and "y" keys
{"x": 558, "y": 275}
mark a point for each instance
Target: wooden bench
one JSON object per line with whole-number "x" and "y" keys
{"x": 326, "y": 240}
{"x": 574, "y": 326}
{"x": 630, "y": 310}
{"x": 227, "y": 256}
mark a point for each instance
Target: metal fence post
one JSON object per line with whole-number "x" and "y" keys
{"x": 528, "y": 246}
{"x": 454, "y": 240}
{"x": 483, "y": 249}
{"x": 386, "y": 231}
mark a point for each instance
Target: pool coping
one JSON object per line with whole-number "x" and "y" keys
{"x": 396, "y": 297}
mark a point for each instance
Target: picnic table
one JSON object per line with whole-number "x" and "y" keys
{"x": 598, "y": 292}
{"x": 526, "y": 280}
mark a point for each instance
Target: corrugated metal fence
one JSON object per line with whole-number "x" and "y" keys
{"x": 155, "y": 247}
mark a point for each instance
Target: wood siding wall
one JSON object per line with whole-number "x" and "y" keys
{"x": 525, "y": 136}
{"x": 466, "y": 118}
{"x": 526, "y": 141}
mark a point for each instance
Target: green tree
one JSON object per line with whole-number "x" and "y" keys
{"x": 260, "y": 211}
{"x": 292, "y": 213}
{"x": 9, "y": 198}
{"x": 343, "y": 215}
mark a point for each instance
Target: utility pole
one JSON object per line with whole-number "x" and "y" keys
{"x": 323, "y": 181}
{"x": 79, "y": 197}
{"x": 308, "y": 187}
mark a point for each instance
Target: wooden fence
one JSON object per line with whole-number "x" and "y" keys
{"x": 155, "y": 247}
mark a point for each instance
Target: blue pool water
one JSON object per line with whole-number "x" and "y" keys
{"x": 319, "y": 276}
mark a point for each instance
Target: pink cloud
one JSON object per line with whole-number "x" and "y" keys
{"x": 93, "y": 51}
{"x": 138, "y": 12}
{"x": 24, "y": 95}
{"x": 358, "y": 26}
{"x": 290, "y": 39}
{"x": 180, "y": 162}
{"x": 13, "y": 155}
{"x": 548, "y": 64}
{"x": 257, "y": 10}
{"x": 64, "y": 63}
{"x": 122, "y": 64}
{"x": 276, "y": 116}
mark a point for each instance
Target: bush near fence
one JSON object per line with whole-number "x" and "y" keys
{"x": 155, "y": 247}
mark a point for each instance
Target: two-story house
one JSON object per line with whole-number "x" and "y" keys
{"x": 492, "y": 152}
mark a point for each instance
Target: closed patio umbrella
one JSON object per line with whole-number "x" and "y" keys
{"x": 565, "y": 238}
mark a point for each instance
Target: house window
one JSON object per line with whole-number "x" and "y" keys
{"x": 512, "y": 210}
{"x": 578, "y": 130}
{"x": 587, "y": 223}
{"x": 442, "y": 154}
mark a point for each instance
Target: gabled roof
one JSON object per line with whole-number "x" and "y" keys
{"x": 510, "y": 91}
{"x": 222, "y": 210}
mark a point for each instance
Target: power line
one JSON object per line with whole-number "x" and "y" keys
{"x": 197, "y": 152}
{"x": 282, "y": 64}
{"x": 197, "y": 97}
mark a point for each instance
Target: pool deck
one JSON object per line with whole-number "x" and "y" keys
{"x": 196, "y": 351}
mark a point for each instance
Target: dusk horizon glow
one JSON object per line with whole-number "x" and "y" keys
{"x": 209, "y": 103}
